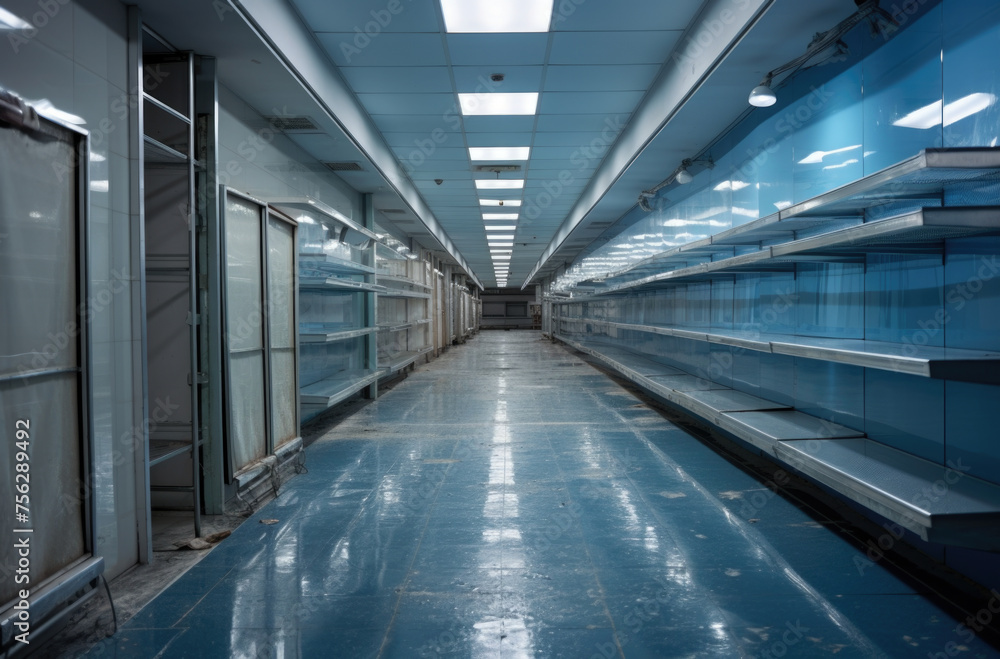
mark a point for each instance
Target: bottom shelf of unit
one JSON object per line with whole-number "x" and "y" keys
{"x": 401, "y": 360}
{"x": 318, "y": 396}
{"x": 890, "y": 482}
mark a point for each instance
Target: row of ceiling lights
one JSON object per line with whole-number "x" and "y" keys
{"x": 493, "y": 16}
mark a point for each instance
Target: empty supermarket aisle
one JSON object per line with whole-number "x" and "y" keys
{"x": 509, "y": 500}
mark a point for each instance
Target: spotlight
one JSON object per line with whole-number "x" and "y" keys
{"x": 683, "y": 176}
{"x": 763, "y": 96}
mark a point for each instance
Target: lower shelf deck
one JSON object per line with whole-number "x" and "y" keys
{"x": 401, "y": 360}
{"x": 319, "y": 396}
{"x": 899, "y": 486}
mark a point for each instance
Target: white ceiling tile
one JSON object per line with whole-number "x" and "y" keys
{"x": 525, "y": 124}
{"x": 581, "y": 122}
{"x": 499, "y": 139}
{"x": 426, "y": 124}
{"x": 387, "y": 49}
{"x": 624, "y": 15}
{"x": 566, "y": 78}
{"x": 438, "y": 105}
{"x": 497, "y": 49}
{"x": 370, "y": 16}
{"x": 612, "y": 47}
{"x": 398, "y": 80}
{"x": 588, "y": 102}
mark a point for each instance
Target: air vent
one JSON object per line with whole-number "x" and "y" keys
{"x": 293, "y": 123}
{"x": 344, "y": 166}
{"x": 496, "y": 168}
{"x": 392, "y": 211}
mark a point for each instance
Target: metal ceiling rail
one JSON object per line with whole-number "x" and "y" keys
{"x": 727, "y": 23}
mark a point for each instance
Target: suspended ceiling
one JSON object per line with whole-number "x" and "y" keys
{"x": 627, "y": 89}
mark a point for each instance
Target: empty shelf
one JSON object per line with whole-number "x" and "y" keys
{"x": 401, "y": 360}
{"x": 708, "y": 404}
{"x": 924, "y": 361}
{"x": 298, "y": 205}
{"x": 337, "y": 284}
{"x": 939, "y": 503}
{"x": 314, "y": 335}
{"x": 403, "y": 326}
{"x": 908, "y": 185}
{"x": 764, "y": 429}
{"x": 924, "y": 176}
{"x": 331, "y": 265}
{"x": 334, "y": 389}
{"x": 395, "y": 292}
{"x": 404, "y": 280}
{"x": 897, "y": 485}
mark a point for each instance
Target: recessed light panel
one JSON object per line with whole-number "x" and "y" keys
{"x": 499, "y": 184}
{"x": 496, "y": 15}
{"x": 499, "y": 152}
{"x": 500, "y": 216}
{"x": 498, "y": 103}
{"x": 500, "y": 202}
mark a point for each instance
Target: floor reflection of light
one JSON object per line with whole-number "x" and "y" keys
{"x": 501, "y": 512}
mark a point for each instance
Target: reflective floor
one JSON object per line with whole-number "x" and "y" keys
{"x": 509, "y": 500}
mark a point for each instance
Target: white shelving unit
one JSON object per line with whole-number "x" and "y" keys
{"x": 404, "y": 306}
{"x": 899, "y": 210}
{"x": 336, "y": 287}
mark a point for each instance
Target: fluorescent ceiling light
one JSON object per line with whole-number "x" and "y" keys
{"x": 9, "y": 21}
{"x": 499, "y": 152}
{"x": 498, "y": 103}
{"x": 499, "y": 184}
{"x": 500, "y": 216}
{"x": 497, "y": 15}
{"x": 498, "y": 244}
{"x": 502, "y": 237}
{"x": 501, "y": 227}
{"x": 500, "y": 202}
{"x": 816, "y": 157}
{"x": 501, "y": 251}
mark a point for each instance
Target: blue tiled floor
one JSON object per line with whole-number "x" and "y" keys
{"x": 508, "y": 500}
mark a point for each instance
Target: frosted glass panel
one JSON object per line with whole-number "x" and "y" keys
{"x": 39, "y": 331}
{"x": 243, "y": 275}
{"x": 281, "y": 296}
{"x": 248, "y": 432}
{"x": 49, "y": 405}
{"x": 247, "y": 436}
{"x": 283, "y": 386}
{"x": 281, "y": 287}
{"x": 37, "y": 254}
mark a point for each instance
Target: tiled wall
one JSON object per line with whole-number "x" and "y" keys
{"x": 257, "y": 160}
{"x": 935, "y": 83}
{"x": 77, "y": 58}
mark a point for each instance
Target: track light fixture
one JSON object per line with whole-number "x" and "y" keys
{"x": 762, "y": 96}
{"x": 681, "y": 176}
{"x": 881, "y": 23}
